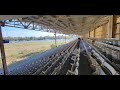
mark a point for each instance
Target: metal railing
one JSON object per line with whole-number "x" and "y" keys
{"x": 106, "y": 66}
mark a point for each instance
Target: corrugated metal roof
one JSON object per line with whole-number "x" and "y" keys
{"x": 69, "y": 24}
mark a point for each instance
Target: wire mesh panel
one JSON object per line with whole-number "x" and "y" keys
{"x": 23, "y": 47}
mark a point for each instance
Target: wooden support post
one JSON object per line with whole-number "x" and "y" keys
{"x": 119, "y": 35}
{"x": 89, "y": 34}
{"x": 114, "y": 28}
{"x": 94, "y": 33}
{"x": 103, "y": 39}
{"x": 103, "y": 34}
{"x": 3, "y": 53}
{"x": 111, "y": 26}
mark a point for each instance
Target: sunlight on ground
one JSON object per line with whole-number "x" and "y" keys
{"x": 18, "y": 51}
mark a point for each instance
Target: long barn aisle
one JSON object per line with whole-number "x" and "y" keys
{"x": 84, "y": 65}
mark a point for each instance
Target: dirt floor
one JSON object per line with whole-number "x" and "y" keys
{"x": 18, "y": 51}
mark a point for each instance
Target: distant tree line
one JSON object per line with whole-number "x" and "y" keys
{"x": 35, "y": 38}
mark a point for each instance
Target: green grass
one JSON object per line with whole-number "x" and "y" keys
{"x": 17, "y": 51}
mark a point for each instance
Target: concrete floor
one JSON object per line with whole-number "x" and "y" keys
{"x": 84, "y": 65}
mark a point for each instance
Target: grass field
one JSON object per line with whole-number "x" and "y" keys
{"x": 17, "y": 51}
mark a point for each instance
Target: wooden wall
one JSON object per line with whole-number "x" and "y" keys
{"x": 102, "y": 31}
{"x": 98, "y": 32}
{"x": 92, "y": 34}
{"x": 105, "y": 30}
{"x": 117, "y": 34}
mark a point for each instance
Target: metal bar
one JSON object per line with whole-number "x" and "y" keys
{"x": 37, "y": 24}
{"x": 28, "y": 25}
{"x": 33, "y": 26}
{"x": 3, "y": 57}
{"x": 21, "y": 23}
{"x": 55, "y": 40}
{"x": 22, "y": 28}
{"x": 65, "y": 38}
{"x": 106, "y": 59}
{"x": 14, "y": 23}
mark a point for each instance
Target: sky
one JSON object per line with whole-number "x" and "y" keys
{"x": 18, "y": 32}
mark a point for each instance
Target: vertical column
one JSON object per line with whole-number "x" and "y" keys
{"x": 119, "y": 31}
{"x": 112, "y": 26}
{"x": 111, "y": 33}
{"x": 65, "y": 38}
{"x": 103, "y": 38}
{"x": 3, "y": 52}
{"x": 94, "y": 33}
{"x": 89, "y": 34}
{"x": 119, "y": 41}
{"x": 55, "y": 40}
{"x": 103, "y": 34}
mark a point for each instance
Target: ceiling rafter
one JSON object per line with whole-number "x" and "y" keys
{"x": 76, "y": 24}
